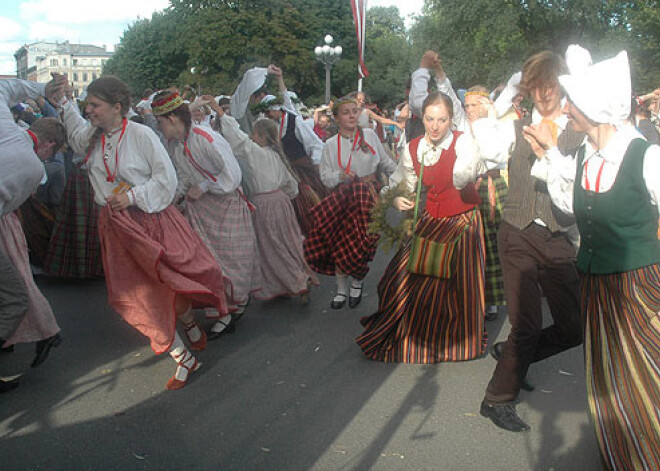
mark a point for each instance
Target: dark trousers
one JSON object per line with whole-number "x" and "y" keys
{"x": 533, "y": 259}
{"x": 13, "y": 298}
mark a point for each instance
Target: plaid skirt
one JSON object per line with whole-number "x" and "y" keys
{"x": 622, "y": 361}
{"x": 284, "y": 271}
{"x": 424, "y": 319}
{"x": 339, "y": 240}
{"x": 491, "y": 217}
{"x": 37, "y": 221}
{"x": 74, "y": 249}
{"x": 39, "y": 322}
{"x": 149, "y": 259}
{"x": 224, "y": 223}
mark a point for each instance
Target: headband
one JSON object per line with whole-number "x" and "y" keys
{"x": 342, "y": 101}
{"x": 166, "y": 105}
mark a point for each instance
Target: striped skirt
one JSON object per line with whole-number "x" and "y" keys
{"x": 284, "y": 271}
{"x": 37, "y": 221}
{"x": 491, "y": 217}
{"x": 340, "y": 240}
{"x": 622, "y": 360}
{"x": 149, "y": 259}
{"x": 224, "y": 223}
{"x": 39, "y": 322}
{"x": 423, "y": 319}
{"x": 311, "y": 192}
{"x": 74, "y": 250}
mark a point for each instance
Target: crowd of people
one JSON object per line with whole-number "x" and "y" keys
{"x": 206, "y": 202}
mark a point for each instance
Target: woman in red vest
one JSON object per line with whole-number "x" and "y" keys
{"x": 428, "y": 319}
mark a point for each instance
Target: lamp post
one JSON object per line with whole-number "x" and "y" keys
{"x": 328, "y": 55}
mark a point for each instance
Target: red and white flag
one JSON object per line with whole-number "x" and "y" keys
{"x": 359, "y": 8}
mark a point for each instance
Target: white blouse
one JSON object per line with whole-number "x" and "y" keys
{"x": 562, "y": 170}
{"x": 362, "y": 163}
{"x": 212, "y": 159}
{"x": 263, "y": 170}
{"x": 141, "y": 161}
{"x": 466, "y": 167}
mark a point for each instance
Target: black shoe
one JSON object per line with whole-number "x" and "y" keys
{"x": 6, "y": 386}
{"x": 504, "y": 416}
{"x": 355, "y": 300}
{"x": 491, "y": 315}
{"x": 338, "y": 304}
{"x": 496, "y": 352}
{"x": 43, "y": 349}
{"x": 8, "y": 349}
{"x": 229, "y": 329}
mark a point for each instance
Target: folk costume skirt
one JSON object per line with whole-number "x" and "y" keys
{"x": 74, "y": 250}
{"x": 492, "y": 197}
{"x": 284, "y": 271}
{"x": 39, "y": 323}
{"x": 37, "y": 221}
{"x": 148, "y": 260}
{"x": 424, "y": 319}
{"x": 339, "y": 241}
{"x": 224, "y": 223}
{"x": 622, "y": 360}
{"x": 311, "y": 192}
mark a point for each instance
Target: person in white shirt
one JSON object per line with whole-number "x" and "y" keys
{"x": 271, "y": 185}
{"x": 533, "y": 241}
{"x": 339, "y": 243}
{"x": 209, "y": 187}
{"x": 156, "y": 268}
{"x": 424, "y": 318}
{"x": 612, "y": 186}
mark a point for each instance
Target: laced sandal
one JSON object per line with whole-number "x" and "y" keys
{"x": 174, "y": 383}
{"x": 199, "y": 344}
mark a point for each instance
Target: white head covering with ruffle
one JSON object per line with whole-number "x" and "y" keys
{"x": 602, "y": 91}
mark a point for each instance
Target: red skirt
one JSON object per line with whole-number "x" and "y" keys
{"x": 339, "y": 239}
{"x": 148, "y": 260}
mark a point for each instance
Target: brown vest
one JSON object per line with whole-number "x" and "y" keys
{"x": 528, "y": 197}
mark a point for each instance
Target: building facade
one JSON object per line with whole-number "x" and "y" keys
{"x": 81, "y": 62}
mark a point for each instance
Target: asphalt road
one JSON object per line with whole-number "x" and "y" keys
{"x": 289, "y": 390}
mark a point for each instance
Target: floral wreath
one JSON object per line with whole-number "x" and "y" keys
{"x": 391, "y": 236}
{"x": 264, "y": 106}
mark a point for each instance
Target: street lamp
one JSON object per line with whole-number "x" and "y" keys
{"x": 328, "y": 55}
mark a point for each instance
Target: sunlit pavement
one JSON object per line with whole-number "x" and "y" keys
{"x": 289, "y": 390}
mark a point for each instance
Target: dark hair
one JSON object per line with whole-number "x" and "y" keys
{"x": 542, "y": 70}
{"x": 50, "y": 130}
{"x": 436, "y": 98}
{"x": 182, "y": 112}
{"x": 268, "y": 129}
{"x": 112, "y": 90}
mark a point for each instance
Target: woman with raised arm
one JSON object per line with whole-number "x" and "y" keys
{"x": 209, "y": 186}
{"x": 271, "y": 185}
{"x": 430, "y": 318}
{"x": 156, "y": 268}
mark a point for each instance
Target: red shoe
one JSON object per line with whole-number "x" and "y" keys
{"x": 174, "y": 383}
{"x": 200, "y": 344}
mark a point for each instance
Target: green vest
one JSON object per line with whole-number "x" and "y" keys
{"x": 618, "y": 228}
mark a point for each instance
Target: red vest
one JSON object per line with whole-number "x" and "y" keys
{"x": 443, "y": 199}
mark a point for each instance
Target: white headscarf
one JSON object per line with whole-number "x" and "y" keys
{"x": 602, "y": 91}
{"x": 273, "y": 106}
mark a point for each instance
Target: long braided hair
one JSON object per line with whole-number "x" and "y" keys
{"x": 268, "y": 130}
{"x": 112, "y": 90}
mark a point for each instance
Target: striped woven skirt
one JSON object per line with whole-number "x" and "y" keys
{"x": 149, "y": 259}
{"x": 74, "y": 250}
{"x": 39, "y": 322}
{"x": 424, "y": 319}
{"x": 284, "y": 271}
{"x": 224, "y": 223}
{"x": 340, "y": 240}
{"x": 37, "y": 221}
{"x": 492, "y": 197}
{"x": 622, "y": 360}
{"x": 311, "y": 192}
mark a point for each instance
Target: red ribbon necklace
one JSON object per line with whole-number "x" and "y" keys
{"x": 586, "y": 176}
{"x": 357, "y": 142}
{"x": 282, "y": 125}
{"x": 113, "y": 175}
{"x": 198, "y": 167}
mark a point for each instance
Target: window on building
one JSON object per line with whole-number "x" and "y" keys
{"x": 94, "y": 76}
{"x": 75, "y": 77}
{"x": 64, "y": 61}
{"x": 53, "y": 62}
{"x": 84, "y": 76}
{"x": 74, "y": 62}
